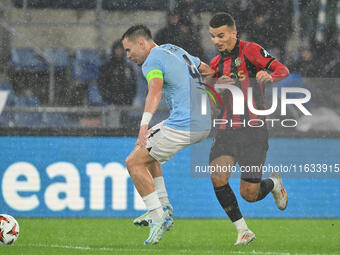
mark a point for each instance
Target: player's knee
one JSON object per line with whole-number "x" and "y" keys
{"x": 218, "y": 181}
{"x": 129, "y": 163}
{"x": 249, "y": 195}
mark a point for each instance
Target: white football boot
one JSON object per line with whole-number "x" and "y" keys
{"x": 279, "y": 193}
{"x": 244, "y": 237}
{"x": 158, "y": 228}
{"x": 144, "y": 220}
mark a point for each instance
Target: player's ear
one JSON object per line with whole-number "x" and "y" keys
{"x": 234, "y": 33}
{"x": 141, "y": 43}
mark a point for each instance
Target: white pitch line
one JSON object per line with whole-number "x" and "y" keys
{"x": 162, "y": 250}
{"x": 93, "y": 249}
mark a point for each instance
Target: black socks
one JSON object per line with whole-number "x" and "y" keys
{"x": 266, "y": 186}
{"x": 227, "y": 199}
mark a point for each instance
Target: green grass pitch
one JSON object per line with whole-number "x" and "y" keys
{"x": 189, "y": 236}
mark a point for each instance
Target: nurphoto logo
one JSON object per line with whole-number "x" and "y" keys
{"x": 238, "y": 104}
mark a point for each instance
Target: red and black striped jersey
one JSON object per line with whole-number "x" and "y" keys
{"x": 242, "y": 64}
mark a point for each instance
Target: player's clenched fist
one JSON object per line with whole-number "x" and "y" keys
{"x": 264, "y": 77}
{"x": 225, "y": 79}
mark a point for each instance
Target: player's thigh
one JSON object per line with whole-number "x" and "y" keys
{"x": 198, "y": 136}
{"x": 225, "y": 144}
{"x": 220, "y": 169}
{"x": 142, "y": 155}
{"x": 251, "y": 167}
{"x": 139, "y": 156}
{"x": 223, "y": 154}
{"x": 252, "y": 160}
{"x": 164, "y": 142}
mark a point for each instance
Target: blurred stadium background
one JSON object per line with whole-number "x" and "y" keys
{"x": 63, "y": 146}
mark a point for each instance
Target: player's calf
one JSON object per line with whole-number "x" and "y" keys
{"x": 249, "y": 191}
{"x": 249, "y": 196}
{"x": 255, "y": 190}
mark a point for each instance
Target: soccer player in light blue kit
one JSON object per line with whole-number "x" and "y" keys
{"x": 172, "y": 72}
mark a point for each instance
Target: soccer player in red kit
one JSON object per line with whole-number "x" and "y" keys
{"x": 237, "y": 140}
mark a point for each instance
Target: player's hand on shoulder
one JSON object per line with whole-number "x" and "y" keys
{"x": 264, "y": 77}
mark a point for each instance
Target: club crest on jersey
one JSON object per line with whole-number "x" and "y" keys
{"x": 237, "y": 61}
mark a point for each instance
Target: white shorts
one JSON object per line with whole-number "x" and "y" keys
{"x": 164, "y": 142}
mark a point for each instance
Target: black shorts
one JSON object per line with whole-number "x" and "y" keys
{"x": 247, "y": 146}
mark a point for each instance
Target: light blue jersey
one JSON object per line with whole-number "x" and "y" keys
{"x": 183, "y": 89}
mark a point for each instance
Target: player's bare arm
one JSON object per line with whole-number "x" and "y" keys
{"x": 151, "y": 104}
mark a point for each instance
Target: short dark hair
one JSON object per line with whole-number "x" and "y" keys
{"x": 136, "y": 31}
{"x": 221, "y": 19}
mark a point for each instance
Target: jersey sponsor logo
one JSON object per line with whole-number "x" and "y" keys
{"x": 265, "y": 53}
{"x": 240, "y": 75}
